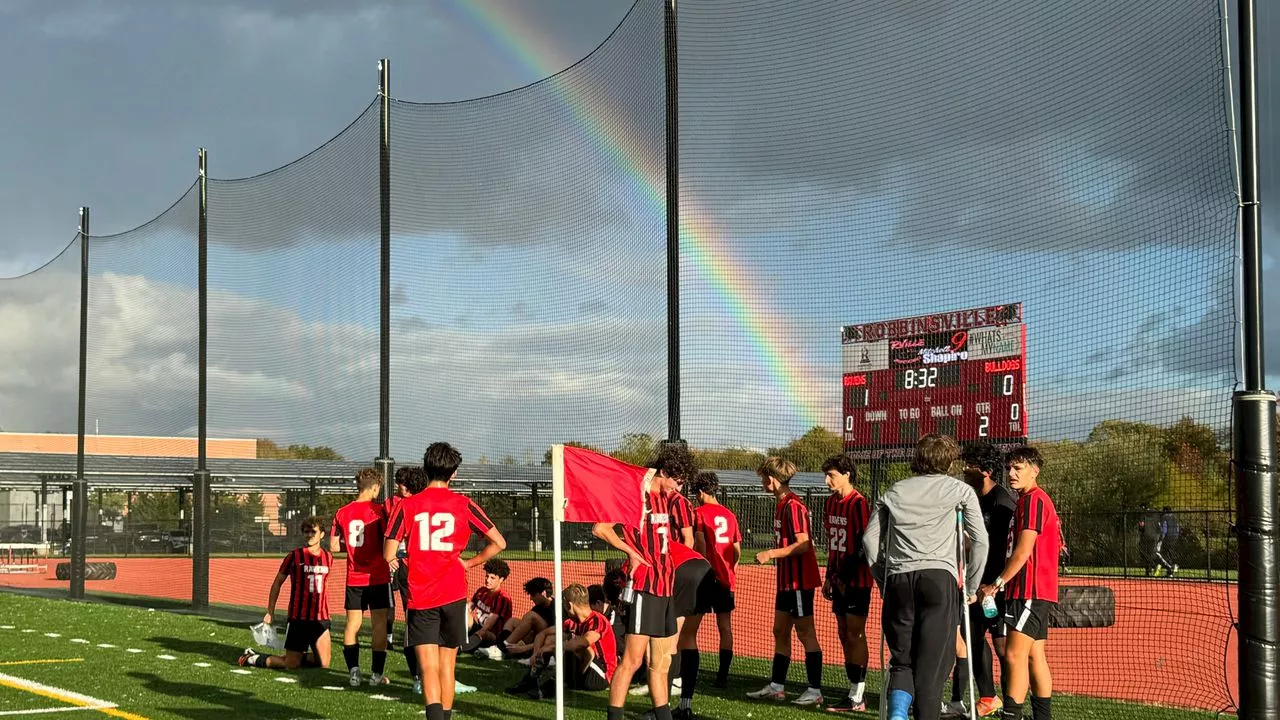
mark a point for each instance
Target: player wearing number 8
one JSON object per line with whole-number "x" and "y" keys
{"x": 360, "y": 525}
{"x": 307, "y": 569}
{"x": 435, "y": 524}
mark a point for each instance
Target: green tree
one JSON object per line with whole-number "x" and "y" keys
{"x": 270, "y": 450}
{"x": 734, "y": 458}
{"x": 636, "y": 448}
{"x": 546, "y": 457}
{"x": 810, "y": 450}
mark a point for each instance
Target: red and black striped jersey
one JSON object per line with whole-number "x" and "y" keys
{"x": 791, "y": 519}
{"x": 653, "y": 541}
{"x": 308, "y": 580}
{"x": 434, "y": 527}
{"x": 846, "y": 520}
{"x": 606, "y": 648}
{"x": 681, "y": 515}
{"x": 486, "y": 602}
{"x": 1038, "y": 579}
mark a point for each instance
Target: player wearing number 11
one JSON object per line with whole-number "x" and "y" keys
{"x": 435, "y": 524}
{"x": 307, "y": 569}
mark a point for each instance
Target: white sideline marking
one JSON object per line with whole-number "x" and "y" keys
{"x": 7, "y": 627}
{"x": 81, "y": 702}
{"x": 53, "y": 635}
{"x": 286, "y": 680}
{"x": 166, "y": 657}
{"x": 241, "y": 671}
{"x": 336, "y": 688}
{"x": 80, "y": 641}
{"x": 202, "y": 664}
{"x": 28, "y": 630}
{"x": 383, "y": 697}
{"x": 105, "y": 646}
{"x": 133, "y": 650}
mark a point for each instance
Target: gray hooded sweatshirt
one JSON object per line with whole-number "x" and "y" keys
{"x": 918, "y": 519}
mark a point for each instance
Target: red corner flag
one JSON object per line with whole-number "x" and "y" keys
{"x": 589, "y": 487}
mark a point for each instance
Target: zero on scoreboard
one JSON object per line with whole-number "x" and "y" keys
{"x": 960, "y": 373}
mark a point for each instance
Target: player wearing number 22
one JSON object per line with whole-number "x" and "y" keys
{"x": 435, "y": 525}
{"x": 307, "y": 570}
{"x": 848, "y": 583}
{"x": 360, "y": 526}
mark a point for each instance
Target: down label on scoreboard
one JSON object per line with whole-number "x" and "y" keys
{"x": 960, "y": 373}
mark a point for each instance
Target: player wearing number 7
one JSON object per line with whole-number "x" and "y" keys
{"x": 435, "y": 524}
{"x": 307, "y": 569}
{"x": 360, "y": 526}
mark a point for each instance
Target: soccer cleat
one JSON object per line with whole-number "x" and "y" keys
{"x": 811, "y": 696}
{"x": 639, "y": 690}
{"x": 955, "y": 708}
{"x": 527, "y": 662}
{"x": 846, "y": 704}
{"x": 379, "y": 680}
{"x": 769, "y": 692}
{"x": 989, "y": 706}
{"x": 247, "y": 657}
{"x": 417, "y": 686}
{"x": 683, "y": 713}
{"x": 353, "y": 677}
{"x": 492, "y": 652}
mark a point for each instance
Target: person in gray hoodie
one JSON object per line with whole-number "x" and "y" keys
{"x": 912, "y": 546}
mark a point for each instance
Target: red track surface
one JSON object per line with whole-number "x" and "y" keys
{"x": 1166, "y": 647}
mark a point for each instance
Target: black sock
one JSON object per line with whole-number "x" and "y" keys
{"x": 379, "y": 661}
{"x": 435, "y": 711}
{"x": 662, "y": 712}
{"x": 813, "y": 668}
{"x": 781, "y": 663}
{"x": 411, "y": 660}
{"x": 855, "y": 673}
{"x": 616, "y": 713}
{"x": 448, "y": 714}
{"x": 260, "y": 661}
{"x": 960, "y": 681}
{"x": 1012, "y": 710}
{"x": 726, "y": 659}
{"x": 1041, "y": 708}
{"x": 689, "y": 662}
{"x": 351, "y": 653}
{"x": 676, "y": 666}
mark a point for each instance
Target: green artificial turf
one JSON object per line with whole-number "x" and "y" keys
{"x": 200, "y": 682}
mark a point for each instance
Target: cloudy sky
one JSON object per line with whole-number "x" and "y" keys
{"x": 839, "y": 165}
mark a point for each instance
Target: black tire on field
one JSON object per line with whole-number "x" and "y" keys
{"x": 92, "y": 571}
{"x": 1084, "y": 606}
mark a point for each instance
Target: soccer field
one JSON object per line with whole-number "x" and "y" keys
{"x": 128, "y": 662}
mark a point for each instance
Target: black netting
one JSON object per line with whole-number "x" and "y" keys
{"x": 528, "y": 259}
{"x": 293, "y": 302}
{"x": 143, "y": 340}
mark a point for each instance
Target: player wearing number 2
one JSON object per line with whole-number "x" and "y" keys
{"x": 360, "y": 525}
{"x": 718, "y": 538}
{"x": 848, "y": 583}
{"x": 307, "y": 569}
{"x": 435, "y": 524}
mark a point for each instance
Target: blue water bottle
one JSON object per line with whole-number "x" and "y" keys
{"x": 989, "y": 606}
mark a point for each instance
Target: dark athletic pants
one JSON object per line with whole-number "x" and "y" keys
{"x": 921, "y": 612}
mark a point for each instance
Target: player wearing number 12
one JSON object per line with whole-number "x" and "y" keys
{"x": 307, "y": 569}
{"x": 435, "y": 525}
{"x": 360, "y": 526}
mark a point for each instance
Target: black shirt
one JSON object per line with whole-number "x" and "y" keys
{"x": 998, "y": 507}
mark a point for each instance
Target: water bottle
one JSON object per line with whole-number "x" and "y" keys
{"x": 629, "y": 591}
{"x": 989, "y": 606}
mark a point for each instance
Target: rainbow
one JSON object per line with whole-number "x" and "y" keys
{"x": 510, "y": 29}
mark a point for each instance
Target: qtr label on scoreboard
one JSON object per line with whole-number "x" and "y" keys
{"x": 960, "y": 373}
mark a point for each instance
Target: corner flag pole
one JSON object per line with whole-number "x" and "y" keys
{"x": 558, "y": 502}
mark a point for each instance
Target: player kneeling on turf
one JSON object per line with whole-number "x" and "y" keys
{"x": 307, "y": 569}
{"x": 590, "y": 651}
{"x": 435, "y": 524}
{"x": 360, "y": 526}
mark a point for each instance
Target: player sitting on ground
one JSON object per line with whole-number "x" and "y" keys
{"x": 489, "y": 610}
{"x": 434, "y": 525}
{"x": 651, "y": 621}
{"x": 590, "y": 653}
{"x": 360, "y": 526}
{"x": 307, "y": 569}
{"x": 1030, "y": 584}
{"x": 848, "y": 583}
{"x": 517, "y": 636}
{"x": 798, "y": 577}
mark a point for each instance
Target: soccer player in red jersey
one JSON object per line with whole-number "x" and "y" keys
{"x": 490, "y": 609}
{"x": 718, "y": 538}
{"x": 400, "y": 577}
{"x": 434, "y": 525}
{"x": 590, "y": 652}
{"x": 798, "y": 577}
{"x": 307, "y": 569}
{"x": 848, "y": 583}
{"x": 1030, "y": 585}
{"x": 360, "y": 526}
{"x": 651, "y": 621}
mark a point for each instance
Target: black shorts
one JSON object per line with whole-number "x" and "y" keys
{"x": 651, "y": 616}
{"x": 302, "y": 635}
{"x": 714, "y": 596}
{"x": 546, "y": 612}
{"x": 980, "y": 623}
{"x": 1029, "y": 617}
{"x": 688, "y": 582}
{"x": 796, "y": 603}
{"x": 369, "y": 597}
{"x": 853, "y": 601}
{"x": 445, "y": 626}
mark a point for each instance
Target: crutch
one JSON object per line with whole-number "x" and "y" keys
{"x": 886, "y": 536}
{"x": 964, "y": 610}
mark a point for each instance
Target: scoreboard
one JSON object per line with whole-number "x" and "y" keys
{"x": 960, "y": 373}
